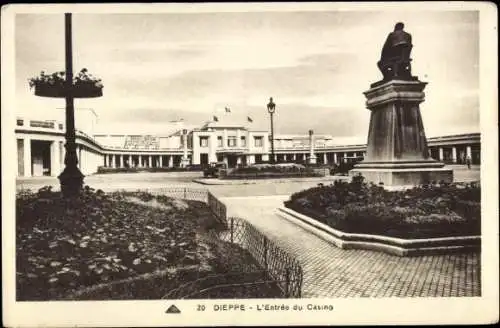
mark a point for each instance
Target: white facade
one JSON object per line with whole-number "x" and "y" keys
{"x": 40, "y": 148}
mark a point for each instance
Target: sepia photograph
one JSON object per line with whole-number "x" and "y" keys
{"x": 280, "y": 163}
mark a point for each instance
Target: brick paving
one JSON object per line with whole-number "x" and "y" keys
{"x": 333, "y": 272}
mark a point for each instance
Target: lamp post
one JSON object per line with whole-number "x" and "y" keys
{"x": 185, "y": 147}
{"x": 312, "y": 158}
{"x": 271, "y": 107}
{"x": 71, "y": 178}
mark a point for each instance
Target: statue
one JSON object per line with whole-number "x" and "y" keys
{"x": 395, "y": 59}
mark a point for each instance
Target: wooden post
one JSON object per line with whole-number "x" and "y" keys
{"x": 265, "y": 254}
{"x": 287, "y": 282}
{"x": 232, "y": 231}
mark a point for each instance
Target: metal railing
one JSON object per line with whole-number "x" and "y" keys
{"x": 277, "y": 268}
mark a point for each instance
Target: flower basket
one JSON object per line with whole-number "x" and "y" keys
{"x": 59, "y": 91}
{"x": 54, "y": 85}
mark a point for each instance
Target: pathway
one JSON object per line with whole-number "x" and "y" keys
{"x": 333, "y": 272}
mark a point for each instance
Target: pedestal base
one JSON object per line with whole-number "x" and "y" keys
{"x": 394, "y": 175}
{"x": 71, "y": 182}
{"x": 184, "y": 162}
{"x": 311, "y": 160}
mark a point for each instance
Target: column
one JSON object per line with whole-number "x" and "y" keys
{"x": 86, "y": 161}
{"x": 238, "y": 160}
{"x": 441, "y": 155}
{"x": 61, "y": 155}
{"x": 224, "y": 138}
{"x": 238, "y": 138}
{"x": 81, "y": 154}
{"x": 345, "y": 154}
{"x": 212, "y": 147}
{"x": 27, "y": 157}
{"x": 170, "y": 160}
{"x": 285, "y": 157}
{"x": 79, "y": 149}
{"x": 54, "y": 159}
{"x": 224, "y": 159}
{"x": 121, "y": 160}
{"x": 312, "y": 158}
{"x": 335, "y": 158}
{"x": 454, "y": 154}
{"x": 354, "y": 154}
{"x": 105, "y": 161}
{"x": 150, "y": 161}
{"x": 294, "y": 157}
{"x": 251, "y": 159}
{"x": 468, "y": 152}
{"x": 161, "y": 160}
{"x": 185, "y": 150}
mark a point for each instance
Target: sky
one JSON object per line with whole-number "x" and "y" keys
{"x": 162, "y": 67}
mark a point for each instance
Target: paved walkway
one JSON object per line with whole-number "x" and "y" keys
{"x": 333, "y": 272}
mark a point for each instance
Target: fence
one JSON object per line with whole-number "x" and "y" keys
{"x": 200, "y": 195}
{"x": 276, "y": 263}
{"x": 278, "y": 268}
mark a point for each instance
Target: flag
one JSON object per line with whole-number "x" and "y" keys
{"x": 249, "y": 119}
{"x": 227, "y": 110}
{"x": 216, "y": 119}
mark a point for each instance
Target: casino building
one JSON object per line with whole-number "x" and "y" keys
{"x": 40, "y": 147}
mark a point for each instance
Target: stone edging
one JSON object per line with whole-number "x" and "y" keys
{"x": 218, "y": 182}
{"x": 391, "y": 245}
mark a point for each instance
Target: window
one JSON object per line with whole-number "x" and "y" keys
{"x": 243, "y": 142}
{"x": 258, "y": 141}
{"x": 231, "y": 141}
{"x": 20, "y": 122}
{"x": 203, "y": 141}
{"x": 219, "y": 141}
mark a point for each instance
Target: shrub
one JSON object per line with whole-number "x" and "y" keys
{"x": 285, "y": 170}
{"x": 423, "y": 211}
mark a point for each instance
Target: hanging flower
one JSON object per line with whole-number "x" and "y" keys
{"x": 81, "y": 79}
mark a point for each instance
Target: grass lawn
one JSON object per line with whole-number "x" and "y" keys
{"x": 125, "y": 245}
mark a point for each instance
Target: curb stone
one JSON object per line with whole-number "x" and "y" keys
{"x": 390, "y": 245}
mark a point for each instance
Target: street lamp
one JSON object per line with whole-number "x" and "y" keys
{"x": 71, "y": 178}
{"x": 271, "y": 107}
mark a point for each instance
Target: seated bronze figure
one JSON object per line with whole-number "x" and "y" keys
{"x": 395, "y": 62}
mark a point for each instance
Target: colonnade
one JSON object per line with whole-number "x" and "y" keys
{"x": 143, "y": 160}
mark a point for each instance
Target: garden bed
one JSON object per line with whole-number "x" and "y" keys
{"x": 124, "y": 245}
{"x": 429, "y": 211}
{"x": 273, "y": 171}
{"x": 108, "y": 170}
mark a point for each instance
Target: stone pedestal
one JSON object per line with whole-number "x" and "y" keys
{"x": 397, "y": 153}
{"x": 311, "y": 159}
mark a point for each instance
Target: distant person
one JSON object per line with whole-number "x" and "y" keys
{"x": 468, "y": 162}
